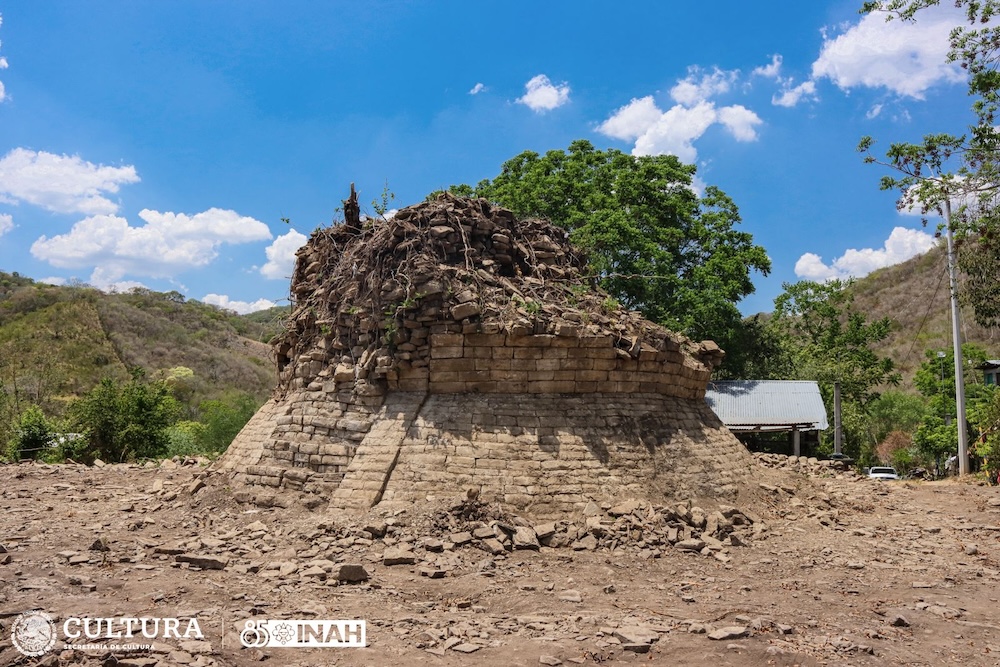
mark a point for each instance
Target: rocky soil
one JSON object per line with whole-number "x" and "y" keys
{"x": 827, "y": 568}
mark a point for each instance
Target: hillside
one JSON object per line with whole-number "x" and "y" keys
{"x": 915, "y": 296}
{"x": 58, "y": 342}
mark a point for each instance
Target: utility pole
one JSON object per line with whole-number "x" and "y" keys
{"x": 963, "y": 432}
{"x": 837, "y": 442}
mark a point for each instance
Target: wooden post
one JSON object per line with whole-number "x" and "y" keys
{"x": 796, "y": 447}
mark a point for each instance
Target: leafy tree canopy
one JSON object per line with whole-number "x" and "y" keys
{"x": 834, "y": 340}
{"x": 962, "y": 170}
{"x": 655, "y": 245}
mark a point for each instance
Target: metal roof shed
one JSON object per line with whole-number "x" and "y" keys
{"x": 755, "y": 406}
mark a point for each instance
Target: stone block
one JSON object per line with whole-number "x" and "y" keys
{"x": 485, "y": 340}
{"x": 446, "y": 352}
{"x": 543, "y": 340}
{"x": 413, "y": 385}
{"x": 464, "y": 310}
{"x": 451, "y": 365}
{"x": 596, "y": 341}
{"x": 447, "y": 340}
{"x": 446, "y": 387}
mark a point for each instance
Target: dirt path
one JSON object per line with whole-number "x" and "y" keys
{"x": 844, "y": 573}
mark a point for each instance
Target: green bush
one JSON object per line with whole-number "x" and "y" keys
{"x": 124, "y": 422}
{"x": 223, "y": 419}
{"x": 32, "y": 437}
{"x": 185, "y": 438}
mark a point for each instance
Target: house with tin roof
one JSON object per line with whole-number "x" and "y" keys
{"x": 991, "y": 371}
{"x": 749, "y": 407}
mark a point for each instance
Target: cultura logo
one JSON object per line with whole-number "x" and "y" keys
{"x": 33, "y": 633}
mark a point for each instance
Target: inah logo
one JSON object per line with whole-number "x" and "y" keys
{"x": 33, "y": 633}
{"x": 289, "y": 633}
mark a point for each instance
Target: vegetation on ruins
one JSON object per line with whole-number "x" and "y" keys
{"x": 657, "y": 246}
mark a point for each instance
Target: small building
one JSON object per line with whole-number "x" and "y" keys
{"x": 991, "y": 372}
{"x": 749, "y": 407}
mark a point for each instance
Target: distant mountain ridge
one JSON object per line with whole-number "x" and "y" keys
{"x": 915, "y": 296}
{"x": 58, "y": 342}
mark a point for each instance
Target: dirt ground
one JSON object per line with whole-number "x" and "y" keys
{"x": 841, "y": 571}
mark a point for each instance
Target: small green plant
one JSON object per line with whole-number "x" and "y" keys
{"x": 381, "y": 204}
{"x": 390, "y": 328}
{"x": 610, "y": 304}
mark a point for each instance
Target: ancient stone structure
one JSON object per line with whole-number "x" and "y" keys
{"x": 457, "y": 349}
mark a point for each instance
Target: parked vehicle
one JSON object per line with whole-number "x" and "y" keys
{"x": 882, "y": 473}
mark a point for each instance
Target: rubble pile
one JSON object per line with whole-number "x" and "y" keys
{"x": 807, "y": 465}
{"x": 370, "y": 298}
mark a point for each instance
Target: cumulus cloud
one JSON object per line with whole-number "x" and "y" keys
{"x": 632, "y": 120}
{"x": 740, "y": 122}
{"x": 61, "y": 183}
{"x": 791, "y": 95}
{"x": 281, "y": 255}
{"x": 699, "y": 86}
{"x": 901, "y": 245}
{"x": 542, "y": 95}
{"x": 167, "y": 244}
{"x": 3, "y": 65}
{"x": 771, "y": 70}
{"x": 476, "y": 89}
{"x": 241, "y": 307}
{"x": 6, "y": 223}
{"x": 658, "y": 132}
{"x": 904, "y": 57}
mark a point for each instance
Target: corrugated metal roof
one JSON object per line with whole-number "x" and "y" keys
{"x": 768, "y": 405}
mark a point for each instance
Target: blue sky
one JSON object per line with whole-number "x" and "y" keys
{"x": 161, "y": 143}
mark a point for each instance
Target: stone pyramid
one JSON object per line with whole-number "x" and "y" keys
{"x": 454, "y": 349}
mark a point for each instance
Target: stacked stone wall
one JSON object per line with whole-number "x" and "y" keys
{"x": 550, "y": 364}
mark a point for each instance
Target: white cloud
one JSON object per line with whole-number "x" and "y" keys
{"x": 167, "y": 244}
{"x": 61, "y": 183}
{"x": 901, "y": 245}
{"x": 6, "y": 223}
{"x": 281, "y": 255}
{"x": 542, "y": 95}
{"x": 117, "y": 286}
{"x": 874, "y": 112}
{"x": 770, "y": 71}
{"x": 791, "y": 95}
{"x": 241, "y": 307}
{"x": 674, "y": 131}
{"x": 52, "y": 280}
{"x": 632, "y": 120}
{"x": 476, "y": 89}
{"x": 698, "y": 87}
{"x": 740, "y": 122}
{"x": 904, "y": 57}
{"x": 3, "y": 65}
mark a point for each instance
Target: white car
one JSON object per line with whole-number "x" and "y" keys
{"x": 882, "y": 473}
